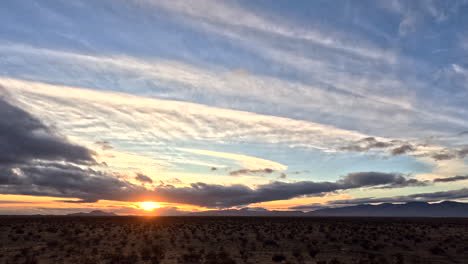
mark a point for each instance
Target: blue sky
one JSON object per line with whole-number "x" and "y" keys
{"x": 297, "y": 86}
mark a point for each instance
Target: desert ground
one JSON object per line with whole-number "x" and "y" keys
{"x": 226, "y": 240}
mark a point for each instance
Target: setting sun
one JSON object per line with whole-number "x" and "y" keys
{"x": 148, "y": 206}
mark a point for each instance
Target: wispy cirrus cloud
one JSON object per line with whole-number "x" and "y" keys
{"x": 161, "y": 120}
{"x": 250, "y": 163}
{"x": 230, "y": 16}
{"x": 185, "y": 82}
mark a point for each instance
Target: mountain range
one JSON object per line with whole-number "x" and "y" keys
{"x": 410, "y": 209}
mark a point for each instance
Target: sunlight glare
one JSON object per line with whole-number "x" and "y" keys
{"x": 149, "y": 206}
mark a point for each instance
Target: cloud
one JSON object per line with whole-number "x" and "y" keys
{"x": 448, "y": 154}
{"x": 171, "y": 181}
{"x": 399, "y": 147}
{"x": 426, "y": 197}
{"x": 443, "y": 156}
{"x": 65, "y": 180}
{"x": 28, "y": 176}
{"x": 251, "y": 163}
{"x": 231, "y": 17}
{"x": 105, "y": 145}
{"x": 386, "y": 180}
{"x": 451, "y": 179}
{"x": 408, "y": 25}
{"x": 260, "y": 93}
{"x": 246, "y": 171}
{"x": 367, "y": 144}
{"x": 164, "y": 122}
{"x": 80, "y": 201}
{"x": 143, "y": 178}
{"x": 222, "y": 196}
{"x": 65, "y": 171}
{"x": 414, "y": 14}
{"x": 23, "y": 138}
{"x": 36, "y": 161}
{"x": 215, "y": 195}
{"x": 381, "y": 180}
{"x": 403, "y": 149}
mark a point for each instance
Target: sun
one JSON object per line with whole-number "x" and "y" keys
{"x": 148, "y": 206}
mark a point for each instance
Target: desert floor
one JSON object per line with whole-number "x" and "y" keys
{"x": 218, "y": 240}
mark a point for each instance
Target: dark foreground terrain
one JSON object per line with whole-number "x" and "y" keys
{"x": 218, "y": 240}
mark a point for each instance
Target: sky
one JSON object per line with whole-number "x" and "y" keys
{"x": 207, "y": 104}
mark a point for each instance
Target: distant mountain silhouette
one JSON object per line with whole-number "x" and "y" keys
{"x": 411, "y": 209}
{"x": 93, "y": 213}
{"x": 247, "y": 212}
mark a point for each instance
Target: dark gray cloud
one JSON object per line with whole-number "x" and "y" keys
{"x": 143, "y": 178}
{"x": 448, "y": 154}
{"x": 451, "y": 179}
{"x": 214, "y": 195}
{"x": 24, "y": 138}
{"x": 66, "y": 180}
{"x": 34, "y": 160}
{"x": 423, "y": 197}
{"x": 72, "y": 181}
{"x": 379, "y": 179}
{"x": 366, "y": 144}
{"x": 247, "y": 171}
{"x": 399, "y": 147}
{"x": 403, "y": 149}
{"x": 443, "y": 156}
{"x": 221, "y": 196}
{"x": 89, "y": 200}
